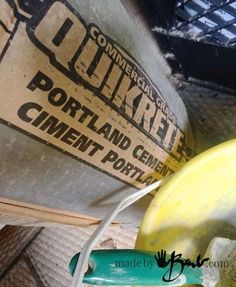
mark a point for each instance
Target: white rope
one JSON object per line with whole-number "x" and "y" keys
{"x": 82, "y": 264}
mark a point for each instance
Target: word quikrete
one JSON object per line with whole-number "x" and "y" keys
{"x": 80, "y": 92}
{"x": 57, "y": 97}
{"x": 96, "y": 61}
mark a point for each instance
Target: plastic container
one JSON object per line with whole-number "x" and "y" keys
{"x": 196, "y": 205}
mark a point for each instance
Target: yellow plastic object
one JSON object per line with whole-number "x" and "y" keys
{"x": 197, "y": 204}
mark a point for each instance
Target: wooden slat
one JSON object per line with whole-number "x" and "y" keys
{"x": 20, "y": 213}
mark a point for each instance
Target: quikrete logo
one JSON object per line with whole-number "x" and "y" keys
{"x": 80, "y": 92}
{"x": 86, "y": 55}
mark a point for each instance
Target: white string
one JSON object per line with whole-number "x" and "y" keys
{"x": 82, "y": 264}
